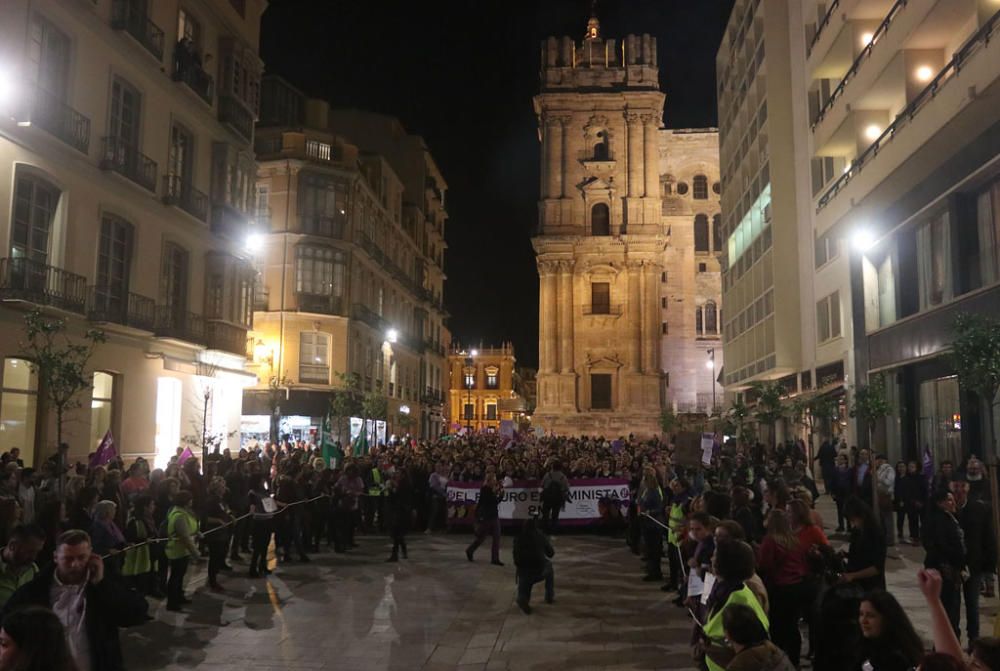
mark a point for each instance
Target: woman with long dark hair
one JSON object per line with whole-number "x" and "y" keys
{"x": 889, "y": 642}
{"x": 33, "y": 639}
{"x": 866, "y": 555}
{"x": 782, "y": 562}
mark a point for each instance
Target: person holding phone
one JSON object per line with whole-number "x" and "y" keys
{"x": 90, "y": 605}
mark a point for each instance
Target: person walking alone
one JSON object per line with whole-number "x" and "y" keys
{"x": 400, "y": 507}
{"x": 532, "y": 557}
{"x": 488, "y": 519}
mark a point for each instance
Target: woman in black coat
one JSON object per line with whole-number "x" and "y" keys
{"x": 488, "y": 519}
{"x": 945, "y": 545}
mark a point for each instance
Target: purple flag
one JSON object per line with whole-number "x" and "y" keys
{"x": 105, "y": 451}
{"x": 928, "y": 466}
{"x": 185, "y": 455}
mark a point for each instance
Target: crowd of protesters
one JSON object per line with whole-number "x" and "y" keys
{"x": 739, "y": 542}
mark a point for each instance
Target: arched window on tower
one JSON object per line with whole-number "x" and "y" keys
{"x": 711, "y": 321}
{"x": 717, "y": 233}
{"x": 699, "y": 326}
{"x": 701, "y": 233}
{"x": 700, "y": 187}
{"x": 601, "y": 150}
{"x": 600, "y": 220}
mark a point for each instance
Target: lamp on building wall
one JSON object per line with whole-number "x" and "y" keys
{"x": 710, "y": 364}
{"x": 392, "y": 335}
{"x": 262, "y": 353}
{"x": 254, "y": 242}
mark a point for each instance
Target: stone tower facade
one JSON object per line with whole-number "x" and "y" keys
{"x": 600, "y": 242}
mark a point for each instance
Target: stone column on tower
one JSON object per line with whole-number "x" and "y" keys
{"x": 634, "y": 336}
{"x": 650, "y": 124}
{"x": 635, "y": 154}
{"x": 650, "y": 301}
{"x": 566, "y": 316}
{"x": 554, "y": 152}
{"x": 548, "y": 357}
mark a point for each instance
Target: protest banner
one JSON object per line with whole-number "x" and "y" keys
{"x": 591, "y": 501}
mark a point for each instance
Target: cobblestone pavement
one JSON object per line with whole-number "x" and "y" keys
{"x": 438, "y": 611}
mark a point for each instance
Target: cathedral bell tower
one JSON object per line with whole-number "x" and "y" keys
{"x": 600, "y": 240}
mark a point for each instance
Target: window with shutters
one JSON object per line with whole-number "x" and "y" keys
{"x": 314, "y": 362}
{"x": 699, "y": 187}
{"x": 114, "y": 265}
{"x": 35, "y": 202}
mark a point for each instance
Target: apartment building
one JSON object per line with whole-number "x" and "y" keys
{"x": 126, "y": 169}
{"x": 350, "y": 266}
{"x": 484, "y": 388}
{"x": 904, "y": 127}
{"x": 761, "y": 153}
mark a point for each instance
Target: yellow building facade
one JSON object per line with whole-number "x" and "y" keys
{"x": 483, "y": 388}
{"x": 349, "y": 260}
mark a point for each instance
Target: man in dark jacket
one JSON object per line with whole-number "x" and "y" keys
{"x": 90, "y": 605}
{"x": 980, "y": 551}
{"x": 532, "y": 554}
{"x": 945, "y": 544}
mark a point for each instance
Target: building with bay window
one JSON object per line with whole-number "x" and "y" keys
{"x": 350, "y": 220}
{"x": 126, "y": 162}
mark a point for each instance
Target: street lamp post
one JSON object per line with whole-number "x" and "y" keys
{"x": 469, "y": 381}
{"x": 710, "y": 364}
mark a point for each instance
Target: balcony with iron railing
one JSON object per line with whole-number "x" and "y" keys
{"x": 934, "y": 90}
{"x": 105, "y": 304}
{"x": 172, "y": 322}
{"x": 371, "y": 249}
{"x": 122, "y": 157}
{"x": 178, "y": 191}
{"x": 54, "y": 116}
{"x": 326, "y": 305}
{"x": 235, "y": 114}
{"x": 228, "y": 221}
{"x": 226, "y": 337}
{"x": 365, "y": 314}
{"x": 125, "y": 16}
{"x": 35, "y": 282}
{"x": 608, "y": 309}
{"x": 188, "y": 71}
{"x": 859, "y": 60}
{"x": 324, "y": 226}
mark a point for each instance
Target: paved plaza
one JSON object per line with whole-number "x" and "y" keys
{"x": 438, "y": 611}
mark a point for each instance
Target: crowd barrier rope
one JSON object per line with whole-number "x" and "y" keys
{"x": 201, "y": 534}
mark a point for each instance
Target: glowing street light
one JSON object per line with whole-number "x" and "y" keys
{"x": 254, "y": 242}
{"x": 873, "y": 131}
{"x": 863, "y": 240}
{"x": 924, "y": 73}
{"x": 392, "y": 335}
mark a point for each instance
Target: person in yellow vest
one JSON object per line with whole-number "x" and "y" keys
{"x": 373, "y": 502}
{"x": 733, "y": 565}
{"x": 138, "y": 568}
{"x": 182, "y": 528}
{"x": 17, "y": 559}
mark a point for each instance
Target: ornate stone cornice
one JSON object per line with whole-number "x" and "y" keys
{"x": 633, "y": 117}
{"x": 650, "y": 118}
{"x": 565, "y": 265}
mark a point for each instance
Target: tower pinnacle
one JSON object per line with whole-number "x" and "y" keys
{"x": 593, "y": 25}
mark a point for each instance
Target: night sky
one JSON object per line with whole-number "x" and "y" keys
{"x": 462, "y": 73}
